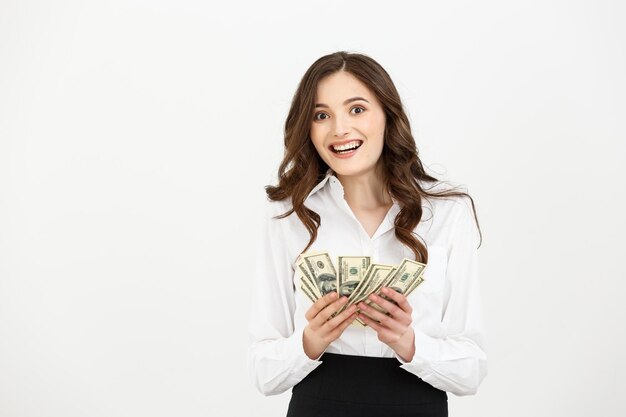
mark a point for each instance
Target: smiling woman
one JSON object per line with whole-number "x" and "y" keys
{"x": 361, "y": 117}
{"x": 352, "y": 176}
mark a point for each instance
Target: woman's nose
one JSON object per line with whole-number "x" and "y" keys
{"x": 341, "y": 126}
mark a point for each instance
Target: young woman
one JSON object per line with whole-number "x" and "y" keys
{"x": 351, "y": 183}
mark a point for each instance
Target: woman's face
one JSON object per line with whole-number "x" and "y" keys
{"x": 348, "y": 115}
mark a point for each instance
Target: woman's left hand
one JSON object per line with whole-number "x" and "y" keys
{"x": 394, "y": 329}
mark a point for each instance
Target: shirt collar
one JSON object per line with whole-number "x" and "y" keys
{"x": 330, "y": 176}
{"x": 337, "y": 188}
{"x": 337, "y": 193}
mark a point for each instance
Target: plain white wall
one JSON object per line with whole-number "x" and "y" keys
{"x": 136, "y": 138}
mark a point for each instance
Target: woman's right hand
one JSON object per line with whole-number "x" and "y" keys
{"x": 321, "y": 332}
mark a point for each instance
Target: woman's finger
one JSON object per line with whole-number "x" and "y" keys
{"x": 339, "y": 318}
{"x": 328, "y": 311}
{"x": 319, "y": 305}
{"x": 386, "y": 321}
{"x": 392, "y": 308}
{"x": 400, "y": 299}
{"x": 378, "y": 328}
{"x": 334, "y": 334}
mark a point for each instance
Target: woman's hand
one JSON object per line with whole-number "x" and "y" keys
{"x": 395, "y": 328}
{"x": 322, "y": 329}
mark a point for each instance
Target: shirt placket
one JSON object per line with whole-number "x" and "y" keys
{"x": 369, "y": 247}
{"x": 372, "y": 344}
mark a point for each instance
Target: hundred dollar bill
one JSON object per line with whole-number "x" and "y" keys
{"x": 300, "y": 258}
{"x": 383, "y": 280}
{"x": 308, "y": 292}
{"x": 323, "y": 272}
{"x": 406, "y": 275}
{"x": 308, "y": 289}
{"x": 351, "y": 272}
{"x": 307, "y": 279}
{"x": 306, "y": 275}
{"x": 374, "y": 274}
{"x": 305, "y": 285}
{"x": 417, "y": 282}
{"x": 380, "y": 276}
{"x": 377, "y": 277}
{"x": 362, "y": 284}
{"x": 401, "y": 281}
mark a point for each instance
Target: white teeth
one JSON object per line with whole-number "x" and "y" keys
{"x": 348, "y": 145}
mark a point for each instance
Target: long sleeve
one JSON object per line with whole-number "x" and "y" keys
{"x": 275, "y": 358}
{"x": 456, "y": 363}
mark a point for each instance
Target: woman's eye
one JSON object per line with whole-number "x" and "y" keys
{"x": 315, "y": 117}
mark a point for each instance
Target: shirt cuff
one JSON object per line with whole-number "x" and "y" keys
{"x": 303, "y": 365}
{"x": 426, "y": 352}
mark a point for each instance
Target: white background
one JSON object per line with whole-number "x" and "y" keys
{"x": 136, "y": 138}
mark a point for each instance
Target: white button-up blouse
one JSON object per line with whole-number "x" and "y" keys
{"x": 447, "y": 314}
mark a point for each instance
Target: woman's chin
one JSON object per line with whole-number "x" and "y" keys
{"x": 344, "y": 171}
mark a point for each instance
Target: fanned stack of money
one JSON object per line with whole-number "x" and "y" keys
{"x": 357, "y": 278}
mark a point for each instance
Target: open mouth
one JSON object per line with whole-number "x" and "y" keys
{"x": 347, "y": 148}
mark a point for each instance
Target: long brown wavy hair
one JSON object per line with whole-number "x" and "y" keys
{"x": 302, "y": 167}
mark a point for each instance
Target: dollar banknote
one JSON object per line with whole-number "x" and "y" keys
{"x": 408, "y": 272}
{"x": 375, "y": 279}
{"x": 403, "y": 280}
{"x": 322, "y": 272}
{"x": 355, "y": 277}
{"x": 351, "y": 272}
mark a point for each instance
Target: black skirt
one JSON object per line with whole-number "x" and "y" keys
{"x": 345, "y": 385}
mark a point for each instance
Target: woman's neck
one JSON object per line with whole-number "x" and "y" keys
{"x": 365, "y": 192}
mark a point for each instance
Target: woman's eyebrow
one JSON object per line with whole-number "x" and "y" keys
{"x": 344, "y": 103}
